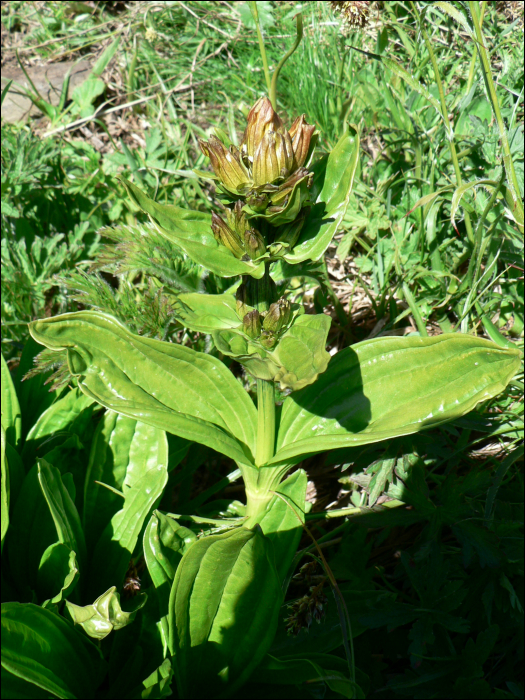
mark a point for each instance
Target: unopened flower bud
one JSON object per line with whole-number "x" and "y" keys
{"x": 226, "y": 163}
{"x": 268, "y": 339}
{"x": 254, "y": 243}
{"x": 301, "y": 134}
{"x": 261, "y": 119}
{"x": 251, "y": 324}
{"x": 225, "y": 236}
{"x": 258, "y": 202}
{"x": 273, "y": 158}
{"x": 279, "y": 315}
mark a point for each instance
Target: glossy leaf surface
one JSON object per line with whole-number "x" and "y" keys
{"x": 387, "y": 387}
{"x": 296, "y": 360}
{"x": 62, "y": 509}
{"x": 105, "y": 614}
{"x": 331, "y": 204}
{"x": 11, "y": 416}
{"x": 191, "y": 231}
{"x": 165, "y": 385}
{"x": 220, "y": 632}
{"x": 165, "y": 542}
{"x": 44, "y": 649}
{"x": 122, "y": 450}
{"x": 57, "y": 574}
{"x": 282, "y": 524}
{"x": 115, "y": 547}
{"x": 207, "y": 312}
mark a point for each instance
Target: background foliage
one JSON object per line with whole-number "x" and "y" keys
{"x": 435, "y": 592}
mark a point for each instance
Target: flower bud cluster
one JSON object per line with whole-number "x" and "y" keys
{"x": 236, "y": 234}
{"x": 267, "y": 327}
{"x": 262, "y": 176}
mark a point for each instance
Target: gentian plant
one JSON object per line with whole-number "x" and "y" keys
{"x": 278, "y": 206}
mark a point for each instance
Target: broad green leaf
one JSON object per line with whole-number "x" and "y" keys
{"x": 387, "y": 387}
{"x": 19, "y": 689}
{"x": 158, "y": 683}
{"x": 223, "y": 611}
{"x": 62, "y": 509}
{"x": 167, "y": 386}
{"x": 11, "y": 416}
{"x": 191, "y": 231}
{"x": 165, "y": 542}
{"x": 121, "y": 451}
{"x": 297, "y": 359}
{"x": 206, "y": 312}
{"x": 31, "y": 532}
{"x": 301, "y": 353}
{"x": 105, "y": 614}
{"x": 57, "y": 574}
{"x": 282, "y": 524}
{"x": 56, "y": 419}
{"x": 327, "y": 213}
{"x": 117, "y": 543}
{"x": 42, "y": 648}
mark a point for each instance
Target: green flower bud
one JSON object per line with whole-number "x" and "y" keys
{"x": 254, "y": 243}
{"x": 257, "y": 201}
{"x": 251, "y": 324}
{"x": 273, "y": 158}
{"x": 225, "y": 236}
{"x": 268, "y": 340}
{"x": 278, "y": 316}
{"x": 226, "y": 163}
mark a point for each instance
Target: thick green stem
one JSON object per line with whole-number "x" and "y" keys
{"x": 512, "y": 180}
{"x": 265, "y": 422}
{"x": 444, "y": 113}
{"x": 262, "y": 49}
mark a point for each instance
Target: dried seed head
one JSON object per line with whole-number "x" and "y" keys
{"x": 354, "y": 14}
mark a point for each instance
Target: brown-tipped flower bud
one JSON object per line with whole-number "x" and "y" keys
{"x": 261, "y": 119}
{"x": 301, "y": 134}
{"x": 251, "y": 324}
{"x": 268, "y": 340}
{"x": 273, "y": 158}
{"x": 278, "y": 316}
{"x": 254, "y": 243}
{"x": 236, "y": 218}
{"x": 226, "y": 163}
{"x": 224, "y": 235}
